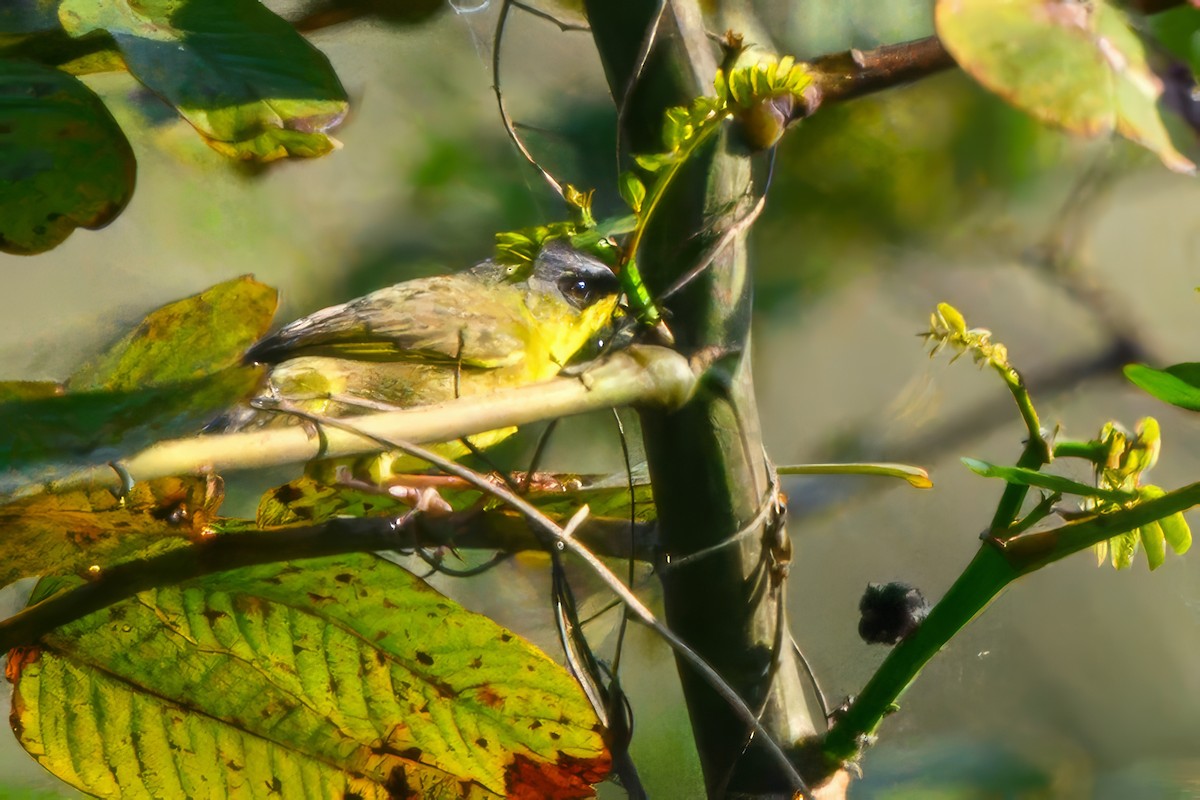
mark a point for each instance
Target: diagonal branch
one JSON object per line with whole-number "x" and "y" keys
{"x": 854, "y": 73}
{"x": 639, "y": 375}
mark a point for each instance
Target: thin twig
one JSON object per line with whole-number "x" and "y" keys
{"x": 538, "y": 452}
{"x": 749, "y": 529}
{"x": 497, "y": 40}
{"x": 629, "y": 577}
{"x": 565, "y": 27}
{"x": 709, "y": 256}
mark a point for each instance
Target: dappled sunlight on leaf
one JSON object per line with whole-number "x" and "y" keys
{"x": 62, "y": 147}
{"x": 317, "y": 677}
{"x": 242, "y": 76}
{"x": 1079, "y": 66}
{"x": 171, "y": 375}
{"x": 61, "y": 534}
{"x": 184, "y": 340}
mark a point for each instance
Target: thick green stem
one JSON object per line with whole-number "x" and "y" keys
{"x": 980, "y": 583}
{"x": 1096, "y": 452}
{"x": 994, "y": 567}
{"x": 710, "y": 477}
{"x": 1035, "y": 455}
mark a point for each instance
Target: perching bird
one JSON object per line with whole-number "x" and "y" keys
{"x": 432, "y": 339}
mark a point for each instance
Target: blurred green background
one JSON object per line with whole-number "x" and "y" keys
{"x": 1080, "y": 682}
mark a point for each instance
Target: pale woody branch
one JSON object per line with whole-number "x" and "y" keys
{"x": 640, "y": 376}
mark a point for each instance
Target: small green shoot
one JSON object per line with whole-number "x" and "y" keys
{"x": 916, "y": 477}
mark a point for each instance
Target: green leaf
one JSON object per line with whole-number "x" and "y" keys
{"x": 1175, "y": 529}
{"x": 1075, "y": 65}
{"x": 1055, "y": 483}
{"x": 243, "y": 77}
{"x": 1178, "y": 385}
{"x": 184, "y": 340}
{"x": 42, "y": 438}
{"x": 653, "y": 163}
{"x": 1123, "y": 549}
{"x": 332, "y": 677}
{"x": 64, "y": 163}
{"x": 171, "y": 375}
{"x": 55, "y": 48}
{"x": 308, "y": 501}
{"x": 1175, "y": 30}
{"x": 752, "y": 84}
{"x": 29, "y": 390}
{"x": 633, "y": 191}
{"x": 1177, "y": 533}
{"x": 1154, "y": 543}
{"x": 916, "y": 477}
{"x": 64, "y": 533}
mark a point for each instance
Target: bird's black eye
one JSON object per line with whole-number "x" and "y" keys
{"x": 578, "y": 291}
{"x": 582, "y": 289}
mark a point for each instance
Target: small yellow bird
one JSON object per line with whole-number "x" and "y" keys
{"x": 428, "y": 340}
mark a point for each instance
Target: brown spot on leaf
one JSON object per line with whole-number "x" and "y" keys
{"x": 319, "y": 598}
{"x": 424, "y": 658}
{"x": 569, "y": 777}
{"x": 476, "y": 662}
{"x": 481, "y": 742}
{"x": 389, "y": 604}
{"x": 212, "y": 615}
{"x": 397, "y": 786}
{"x": 506, "y": 637}
{"x": 18, "y": 659}
{"x": 287, "y": 493}
{"x": 275, "y": 786}
{"x": 488, "y": 697}
{"x": 344, "y": 577}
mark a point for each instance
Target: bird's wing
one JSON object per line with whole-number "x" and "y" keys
{"x": 447, "y": 318}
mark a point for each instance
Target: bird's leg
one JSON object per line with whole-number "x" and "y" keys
{"x": 432, "y": 517}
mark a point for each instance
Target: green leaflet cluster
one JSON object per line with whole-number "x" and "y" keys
{"x": 1120, "y": 459}
{"x": 519, "y": 248}
{"x": 1126, "y": 457}
{"x": 740, "y": 92}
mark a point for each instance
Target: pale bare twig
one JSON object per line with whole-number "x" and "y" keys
{"x": 509, "y": 128}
